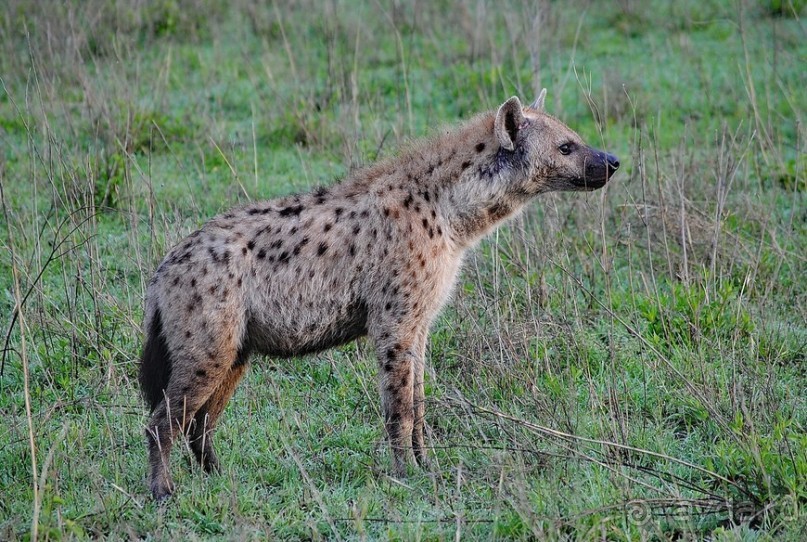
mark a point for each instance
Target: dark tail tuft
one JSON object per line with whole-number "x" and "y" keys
{"x": 155, "y": 365}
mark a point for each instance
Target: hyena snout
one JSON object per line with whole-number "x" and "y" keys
{"x": 612, "y": 163}
{"x": 599, "y": 168}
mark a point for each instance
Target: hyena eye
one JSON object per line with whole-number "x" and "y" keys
{"x": 565, "y": 149}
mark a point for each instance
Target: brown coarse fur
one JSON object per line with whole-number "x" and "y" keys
{"x": 376, "y": 254}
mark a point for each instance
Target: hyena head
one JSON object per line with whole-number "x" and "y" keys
{"x": 551, "y": 154}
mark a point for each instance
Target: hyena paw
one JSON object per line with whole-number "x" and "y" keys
{"x": 399, "y": 469}
{"x": 161, "y": 490}
{"x": 423, "y": 461}
{"x": 206, "y": 457}
{"x": 210, "y": 463}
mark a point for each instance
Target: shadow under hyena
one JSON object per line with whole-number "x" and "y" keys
{"x": 376, "y": 254}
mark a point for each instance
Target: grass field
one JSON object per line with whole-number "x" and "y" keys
{"x": 626, "y": 364}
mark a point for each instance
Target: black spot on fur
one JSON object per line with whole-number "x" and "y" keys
{"x": 300, "y": 246}
{"x": 327, "y": 227}
{"x": 291, "y": 210}
{"x": 319, "y": 195}
{"x": 356, "y": 229}
{"x": 284, "y": 257}
{"x": 175, "y": 281}
{"x": 391, "y": 354}
{"x": 276, "y": 244}
{"x": 425, "y": 223}
{"x": 352, "y": 249}
{"x": 201, "y": 372}
{"x": 193, "y": 283}
{"x": 244, "y": 251}
{"x": 480, "y": 147}
{"x": 465, "y": 165}
{"x": 427, "y": 196}
{"x": 251, "y": 244}
{"x": 261, "y": 254}
{"x": 364, "y": 214}
{"x": 322, "y": 249}
{"x": 408, "y": 201}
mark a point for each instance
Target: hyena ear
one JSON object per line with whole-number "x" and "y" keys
{"x": 509, "y": 118}
{"x": 538, "y": 104}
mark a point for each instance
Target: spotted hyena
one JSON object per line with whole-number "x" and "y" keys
{"x": 376, "y": 254}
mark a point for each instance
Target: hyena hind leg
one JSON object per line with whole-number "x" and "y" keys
{"x": 175, "y": 414}
{"x": 206, "y": 418}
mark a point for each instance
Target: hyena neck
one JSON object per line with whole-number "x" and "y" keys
{"x": 485, "y": 189}
{"x": 462, "y": 174}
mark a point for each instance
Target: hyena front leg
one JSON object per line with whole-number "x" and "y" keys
{"x": 419, "y": 404}
{"x": 399, "y": 352}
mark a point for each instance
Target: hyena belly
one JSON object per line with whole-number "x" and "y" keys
{"x": 305, "y": 286}
{"x": 303, "y": 320}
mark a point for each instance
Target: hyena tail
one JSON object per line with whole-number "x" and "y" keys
{"x": 155, "y": 365}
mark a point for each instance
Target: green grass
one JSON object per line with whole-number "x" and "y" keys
{"x": 625, "y": 364}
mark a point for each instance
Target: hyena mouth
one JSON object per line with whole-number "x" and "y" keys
{"x": 590, "y": 183}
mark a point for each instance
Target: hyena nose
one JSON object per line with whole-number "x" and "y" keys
{"x": 613, "y": 163}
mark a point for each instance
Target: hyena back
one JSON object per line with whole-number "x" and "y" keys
{"x": 375, "y": 255}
